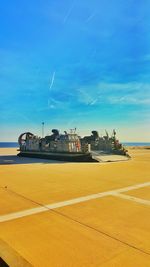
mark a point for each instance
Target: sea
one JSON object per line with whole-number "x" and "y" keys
{"x": 15, "y": 144}
{"x": 8, "y": 144}
{"x": 136, "y": 143}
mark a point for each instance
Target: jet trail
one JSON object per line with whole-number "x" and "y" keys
{"x": 90, "y": 17}
{"x": 52, "y": 80}
{"x": 69, "y": 12}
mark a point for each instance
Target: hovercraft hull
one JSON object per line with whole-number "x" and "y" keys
{"x": 72, "y": 157}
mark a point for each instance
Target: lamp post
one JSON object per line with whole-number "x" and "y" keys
{"x": 42, "y": 129}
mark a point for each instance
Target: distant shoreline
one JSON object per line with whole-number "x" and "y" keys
{"x": 128, "y": 144}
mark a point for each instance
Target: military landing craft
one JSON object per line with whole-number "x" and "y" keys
{"x": 71, "y": 147}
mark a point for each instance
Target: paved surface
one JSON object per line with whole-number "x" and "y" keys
{"x": 73, "y": 214}
{"x": 43, "y": 208}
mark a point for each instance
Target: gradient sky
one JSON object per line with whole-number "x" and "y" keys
{"x": 80, "y": 63}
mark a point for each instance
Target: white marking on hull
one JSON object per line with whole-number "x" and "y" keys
{"x": 24, "y": 213}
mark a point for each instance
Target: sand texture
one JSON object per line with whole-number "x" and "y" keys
{"x": 104, "y": 230}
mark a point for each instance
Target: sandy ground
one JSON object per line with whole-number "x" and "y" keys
{"x": 110, "y": 231}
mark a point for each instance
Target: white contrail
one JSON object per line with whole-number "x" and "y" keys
{"x": 90, "y": 17}
{"x": 52, "y": 80}
{"x": 68, "y": 13}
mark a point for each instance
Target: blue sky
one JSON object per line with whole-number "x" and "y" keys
{"x": 83, "y": 64}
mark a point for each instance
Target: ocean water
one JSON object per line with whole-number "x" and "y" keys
{"x": 135, "y": 144}
{"x": 15, "y": 144}
{"x": 8, "y": 144}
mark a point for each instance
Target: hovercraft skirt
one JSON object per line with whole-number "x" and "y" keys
{"x": 71, "y": 157}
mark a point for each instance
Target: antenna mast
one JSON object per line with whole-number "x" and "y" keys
{"x": 42, "y": 129}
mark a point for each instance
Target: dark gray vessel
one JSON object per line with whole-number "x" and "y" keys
{"x": 70, "y": 147}
{"x": 64, "y": 147}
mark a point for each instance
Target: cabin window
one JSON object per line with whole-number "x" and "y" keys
{"x": 3, "y": 263}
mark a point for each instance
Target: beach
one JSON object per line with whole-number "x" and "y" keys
{"x": 75, "y": 214}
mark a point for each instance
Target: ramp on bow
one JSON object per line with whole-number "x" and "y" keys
{"x": 100, "y": 156}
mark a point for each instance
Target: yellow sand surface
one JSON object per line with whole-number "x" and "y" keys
{"x": 109, "y": 232}
{"x": 143, "y": 193}
{"x": 8, "y": 151}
